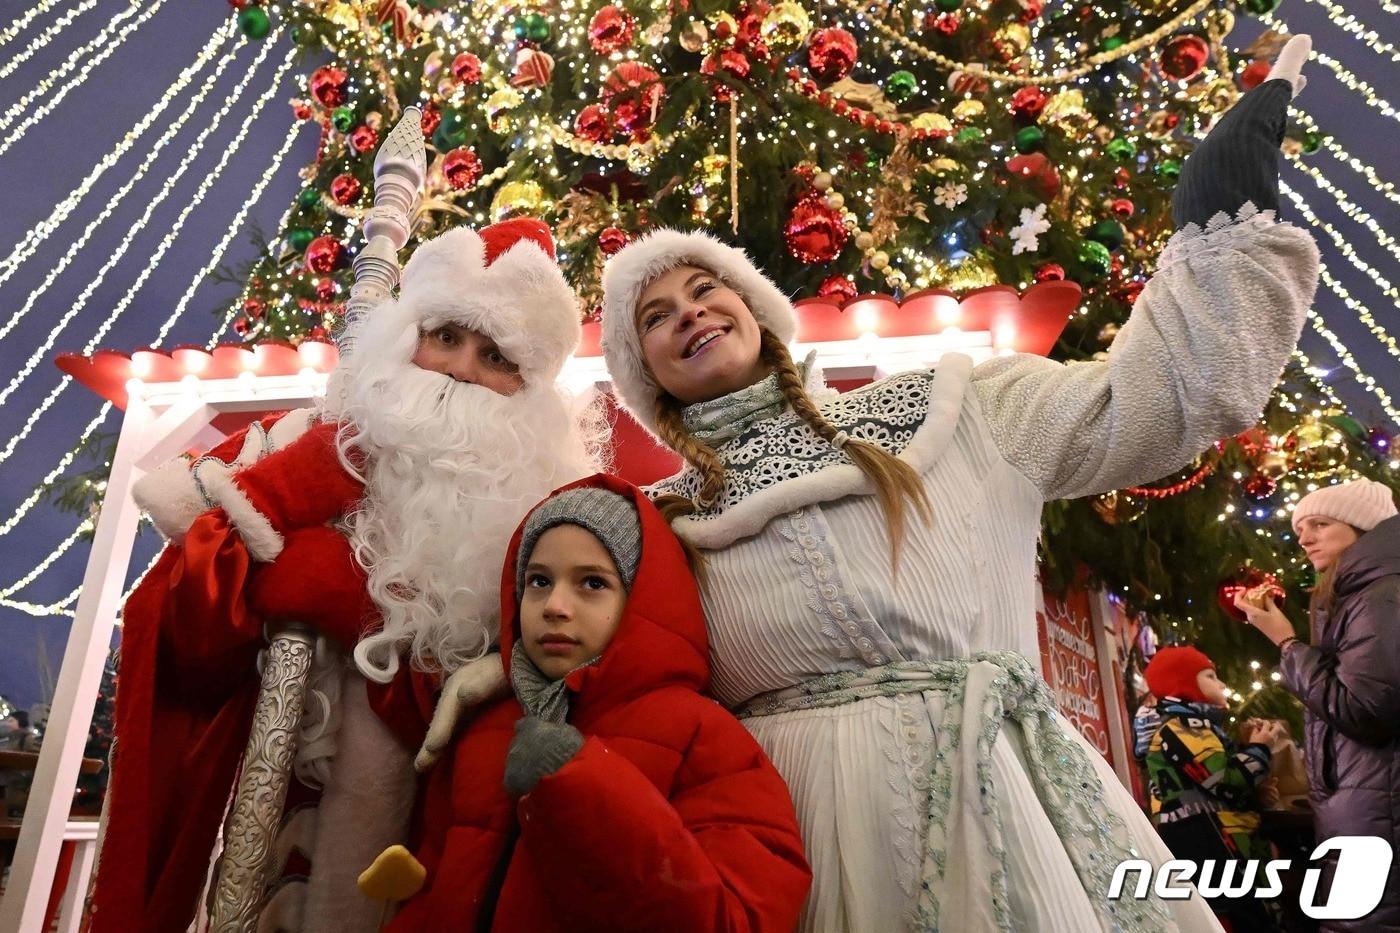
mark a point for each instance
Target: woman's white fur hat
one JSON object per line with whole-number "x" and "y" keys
{"x": 633, "y": 267}
{"x": 501, "y": 281}
{"x": 1362, "y": 504}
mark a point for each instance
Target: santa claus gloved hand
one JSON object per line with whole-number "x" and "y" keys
{"x": 1238, "y": 162}
{"x": 314, "y": 579}
{"x": 300, "y": 486}
{"x": 539, "y": 749}
{"x": 467, "y": 687}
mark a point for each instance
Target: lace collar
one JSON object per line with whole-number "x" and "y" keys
{"x": 722, "y": 419}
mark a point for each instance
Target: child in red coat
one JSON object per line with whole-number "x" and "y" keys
{"x": 623, "y": 798}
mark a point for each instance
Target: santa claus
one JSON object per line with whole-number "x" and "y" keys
{"x": 380, "y": 518}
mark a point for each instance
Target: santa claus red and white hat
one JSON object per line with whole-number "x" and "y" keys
{"x": 636, "y": 265}
{"x": 501, "y": 281}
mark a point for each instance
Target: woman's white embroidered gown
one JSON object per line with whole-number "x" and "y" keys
{"x": 799, "y": 585}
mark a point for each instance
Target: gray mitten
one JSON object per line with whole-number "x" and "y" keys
{"x": 539, "y": 748}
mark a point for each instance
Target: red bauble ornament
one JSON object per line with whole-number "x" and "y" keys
{"x": 592, "y": 123}
{"x": 254, "y": 308}
{"x": 432, "y": 116}
{"x": 241, "y": 326}
{"x": 731, "y": 62}
{"x": 611, "y": 239}
{"x": 814, "y": 232}
{"x": 837, "y": 288}
{"x": 946, "y": 23}
{"x": 238, "y": 4}
{"x": 1184, "y": 56}
{"x": 461, "y": 168}
{"x": 750, "y": 29}
{"x": 363, "y": 139}
{"x": 1259, "y": 487}
{"x": 1254, "y": 74}
{"x": 1121, "y": 207}
{"x": 1121, "y": 177}
{"x": 327, "y": 86}
{"x": 1247, "y": 579}
{"x": 1030, "y": 10}
{"x": 466, "y": 68}
{"x": 324, "y": 254}
{"x": 1027, "y": 103}
{"x": 1036, "y": 170}
{"x": 831, "y": 53}
{"x": 1050, "y": 272}
{"x": 632, "y": 93}
{"x": 610, "y": 29}
{"x": 963, "y": 84}
{"x": 1128, "y": 292}
{"x": 301, "y": 110}
{"x": 325, "y": 288}
{"x": 345, "y": 189}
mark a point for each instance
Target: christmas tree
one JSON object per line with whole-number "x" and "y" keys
{"x": 850, "y": 147}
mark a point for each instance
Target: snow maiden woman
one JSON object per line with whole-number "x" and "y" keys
{"x": 870, "y": 576}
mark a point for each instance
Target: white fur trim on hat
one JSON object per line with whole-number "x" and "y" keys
{"x": 1362, "y": 504}
{"x": 521, "y": 300}
{"x": 636, "y": 265}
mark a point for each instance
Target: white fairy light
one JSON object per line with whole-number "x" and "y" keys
{"x": 1384, "y": 188}
{"x": 140, "y": 225}
{"x": 1342, "y": 244}
{"x": 93, "y": 53}
{"x": 9, "y": 524}
{"x": 1349, "y": 23}
{"x": 23, "y": 21}
{"x": 84, "y": 526}
{"x": 45, "y": 37}
{"x": 41, "y": 231}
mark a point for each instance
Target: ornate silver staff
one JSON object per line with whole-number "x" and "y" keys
{"x": 399, "y": 170}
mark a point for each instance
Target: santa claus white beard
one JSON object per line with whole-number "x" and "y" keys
{"x": 450, "y": 470}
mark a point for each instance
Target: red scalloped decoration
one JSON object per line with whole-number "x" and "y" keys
{"x": 106, "y": 371}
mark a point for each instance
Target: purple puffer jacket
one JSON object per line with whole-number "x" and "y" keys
{"x": 1350, "y": 684}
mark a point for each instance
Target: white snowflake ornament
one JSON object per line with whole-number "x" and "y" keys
{"x": 1027, "y": 232}
{"x": 950, "y": 195}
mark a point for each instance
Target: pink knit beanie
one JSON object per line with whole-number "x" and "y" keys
{"x": 1362, "y": 504}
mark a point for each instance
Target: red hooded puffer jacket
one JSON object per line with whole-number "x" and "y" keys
{"x": 670, "y": 817}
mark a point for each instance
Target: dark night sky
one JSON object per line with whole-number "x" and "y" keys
{"x": 59, "y": 151}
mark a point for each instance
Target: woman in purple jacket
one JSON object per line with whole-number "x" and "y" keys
{"x": 1348, "y": 675}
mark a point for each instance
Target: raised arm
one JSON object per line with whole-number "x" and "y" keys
{"x": 1207, "y": 338}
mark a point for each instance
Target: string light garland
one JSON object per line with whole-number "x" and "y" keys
{"x": 1344, "y": 247}
{"x": 1348, "y": 23}
{"x": 1384, "y": 188}
{"x": 1087, "y": 66}
{"x": 1356, "y": 85}
{"x": 63, "y": 463}
{"x": 22, "y": 23}
{"x": 83, "y": 528}
{"x": 138, "y": 226}
{"x": 1362, "y": 312}
{"x": 45, "y": 37}
{"x": 1197, "y": 477}
{"x": 1351, "y": 209}
{"x": 1365, "y": 381}
{"x": 104, "y": 45}
{"x": 41, "y": 231}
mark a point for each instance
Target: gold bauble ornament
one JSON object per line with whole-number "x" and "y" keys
{"x": 786, "y": 26}
{"x": 976, "y": 271}
{"x": 967, "y": 110}
{"x": 932, "y": 123}
{"x": 822, "y": 181}
{"x": 944, "y": 166}
{"x": 1012, "y": 40}
{"x": 835, "y": 200}
{"x": 879, "y": 260}
{"x": 1273, "y": 464}
{"x": 694, "y": 35}
{"x": 864, "y": 241}
{"x": 498, "y": 107}
{"x": 1221, "y": 94}
{"x": 517, "y": 197}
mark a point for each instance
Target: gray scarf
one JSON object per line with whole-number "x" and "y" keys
{"x": 542, "y": 697}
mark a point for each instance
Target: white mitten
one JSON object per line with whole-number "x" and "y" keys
{"x": 471, "y": 685}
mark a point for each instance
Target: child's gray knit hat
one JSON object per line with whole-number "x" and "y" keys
{"x": 611, "y": 518}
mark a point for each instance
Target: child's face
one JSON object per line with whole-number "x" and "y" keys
{"x": 573, "y": 600}
{"x": 1212, "y": 687}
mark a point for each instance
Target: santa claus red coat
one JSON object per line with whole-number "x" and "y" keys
{"x": 670, "y": 817}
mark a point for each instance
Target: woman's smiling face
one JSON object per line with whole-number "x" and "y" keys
{"x": 698, "y": 338}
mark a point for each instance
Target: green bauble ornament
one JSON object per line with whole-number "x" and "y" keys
{"x": 532, "y": 26}
{"x": 1121, "y": 149}
{"x": 1108, "y": 232}
{"x": 253, "y": 22}
{"x": 1094, "y": 257}
{"x": 305, "y": 35}
{"x": 308, "y": 198}
{"x": 1030, "y": 139}
{"x": 1311, "y": 141}
{"x": 299, "y": 238}
{"x": 968, "y": 134}
{"x": 948, "y": 6}
{"x": 1110, "y": 43}
{"x": 451, "y": 132}
{"x": 343, "y": 119}
{"x": 901, "y": 86}
{"x": 1170, "y": 169}
{"x": 1261, "y": 7}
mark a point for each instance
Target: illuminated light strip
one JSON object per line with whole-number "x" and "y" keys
{"x": 46, "y": 227}
{"x": 1349, "y": 23}
{"x": 53, "y": 474}
{"x": 1321, "y": 386}
{"x": 35, "y": 609}
{"x": 1362, "y": 312}
{"x": 235, "y": 227}
{"x": 83, "y": 526}
{"x": 1342, "y": 245}
{"x": 1384, "y": 188}
{"x": 19, "y": 25}
{"x": 139, "y": 225}
{"x": 1366, "y": 382}
{"x": 1356, "y": 85}
{"x": 45, "y": 37}
{"x": 1350, "y": 208}
{"x": 106, "y": 46}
